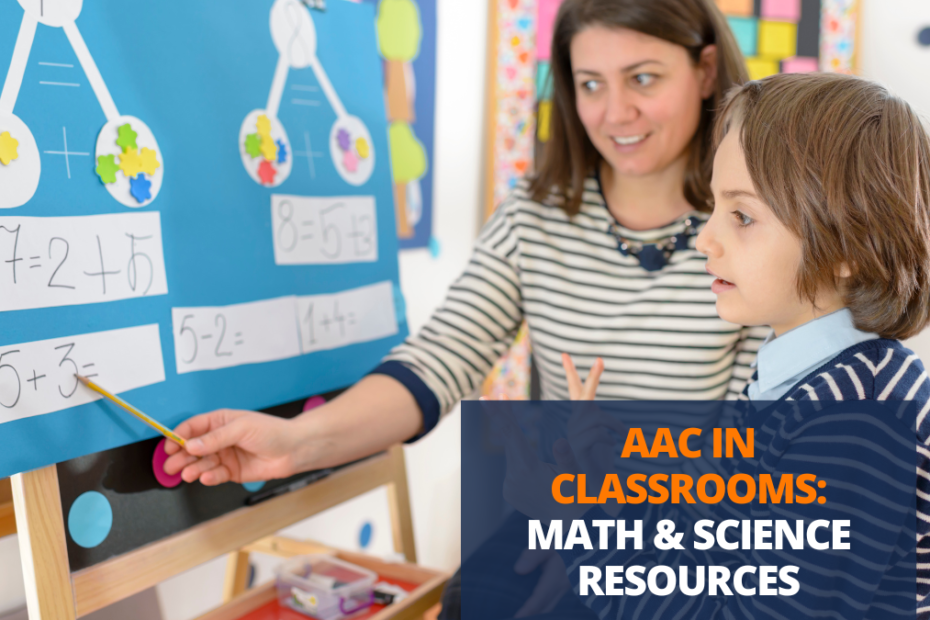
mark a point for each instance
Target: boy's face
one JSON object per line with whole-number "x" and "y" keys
{"x": 754, "y": 257}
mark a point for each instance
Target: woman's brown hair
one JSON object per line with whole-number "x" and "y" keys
{"x": 569, "y": 157}
{"x": 845, "y": 166}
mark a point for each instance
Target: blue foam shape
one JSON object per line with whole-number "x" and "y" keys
{"x": 90, "y": 519}
{"x": 746, "y": 32}
{"x": 251, "y": 487}
{"x": 364, "y": 535}
{"x": 543, "y": 81}
{"x": 434, "y": 247}
{"x": 282, "y": 152}
{"x": 140, "y": 188}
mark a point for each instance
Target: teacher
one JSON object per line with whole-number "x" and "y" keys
{"x": 595, "y": 251}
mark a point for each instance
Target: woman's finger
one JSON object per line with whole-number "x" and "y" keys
{"x": 192, "y": 472}
{"x": 594, "y": 377}
{"x": 571, "y": 376}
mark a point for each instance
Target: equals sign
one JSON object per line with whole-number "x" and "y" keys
{"x": 206, "y": 337}
{"x": 239, "y": 336}
{"x": 351, "y": 316}
{"x": 89, "y": 366}
{"x": 307, "y": 223}
{"x": 35, "y": 258}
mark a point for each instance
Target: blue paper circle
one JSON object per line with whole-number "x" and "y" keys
{"x": 923, "y": 36}
{"x": 364, "y": 535}
{"x": 434, "y": 247}
{"x": 90, "y": 519}
{"x": 400, "y": 306}
{"x": 251, "y": 487}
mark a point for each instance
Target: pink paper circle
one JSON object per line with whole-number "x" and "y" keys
{"x": 158, "y": 467}
{"x": 313, "y": 402}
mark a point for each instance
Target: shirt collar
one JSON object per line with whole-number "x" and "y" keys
{"x": 805, "y": 348}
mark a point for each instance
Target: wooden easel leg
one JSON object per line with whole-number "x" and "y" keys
{"x": 42, "y": 545}
{"x": 237, "y": 575}
{"x": 399, "y": 505}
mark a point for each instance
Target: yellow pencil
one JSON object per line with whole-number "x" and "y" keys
{"x": 167, "y": 432}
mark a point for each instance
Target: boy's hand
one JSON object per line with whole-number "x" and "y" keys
{"x": 241, "y": 446}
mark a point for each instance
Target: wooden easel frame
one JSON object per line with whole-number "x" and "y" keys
{"x": 55, "y": 593}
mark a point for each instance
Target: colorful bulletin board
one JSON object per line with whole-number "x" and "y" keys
{"x": 407, "y": 42}
{"x": 774, "y": 35}
{"x": 196, "y": 210}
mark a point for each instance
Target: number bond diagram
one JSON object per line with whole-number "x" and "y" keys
{"x": 127, "y": 158}
{"x": 263, "y": 142}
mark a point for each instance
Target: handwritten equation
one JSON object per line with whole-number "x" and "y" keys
{"x": 358, "y": 315}
{"x": 313, "y": 231}
{"x": 209, "y": 338}
{"x": 66, "y": 261}
{"x": 38, "y": 377}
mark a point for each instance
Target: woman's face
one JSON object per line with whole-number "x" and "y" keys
{"x": 639, "y": 97}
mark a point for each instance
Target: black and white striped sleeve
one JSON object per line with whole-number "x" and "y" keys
{"x": 473, "y": 327}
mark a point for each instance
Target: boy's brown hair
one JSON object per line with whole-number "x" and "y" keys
{"x": 845, "y": 166}
{"x": 569, "y": 157}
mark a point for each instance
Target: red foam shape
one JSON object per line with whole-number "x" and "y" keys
{"x": 313, "y": 402}
{"x": 266, "y": 172}
{"x": 158, "y": 467}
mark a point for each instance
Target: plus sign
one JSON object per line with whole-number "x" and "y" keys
{"x": 309, "y": 154}
{"x": 66, "y": 152}
{"x": 35, "y": 380}
{"x": 103, "y": 273}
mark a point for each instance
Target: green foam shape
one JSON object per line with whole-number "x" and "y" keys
{"x": 107, "y": 168}
{"x": 253, "y": 145}
{"x": 399, "y": 30}
{"x": 408, "y": 157}
{"x": 126, "y": 137}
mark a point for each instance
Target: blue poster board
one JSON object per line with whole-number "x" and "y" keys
{"x": 230, "y": 183}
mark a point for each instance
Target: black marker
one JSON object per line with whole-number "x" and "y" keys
{"x": 287, "y": 488}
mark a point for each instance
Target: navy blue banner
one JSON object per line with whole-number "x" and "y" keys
{"x": 692, "y": 510}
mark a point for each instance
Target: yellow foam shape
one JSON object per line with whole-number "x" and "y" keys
{"x": 361, "y": 145}
{"x": 777, "y": 40}
{"x": 269, "y": 149}
{"x": 8, "y": 148}
{"x": 149, "y": 161}
{"x": 761, "y": 68}
{"x": 130, "y": 163}
{"x": 544, "y": 122}
{"x": 264, "y": 126}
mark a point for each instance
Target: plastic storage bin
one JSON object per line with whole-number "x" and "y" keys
{"x": 324, "y": 587}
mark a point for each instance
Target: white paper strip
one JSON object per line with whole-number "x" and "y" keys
{"x": 312, "y": 231}
{"x": 38, "y": 377}
{"x": 358, "y": 315}
{"x": 66, "y": 261}
{"x": 208, "y": 338}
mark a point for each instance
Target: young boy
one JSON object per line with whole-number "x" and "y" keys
{"x": 821, "y": 230}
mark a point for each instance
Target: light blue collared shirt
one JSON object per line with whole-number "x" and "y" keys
{"x": 782, "y": 362}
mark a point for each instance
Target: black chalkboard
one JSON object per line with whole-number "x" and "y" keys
{"x": 143, "y": 510}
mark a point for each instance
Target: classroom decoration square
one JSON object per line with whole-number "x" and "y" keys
{"x": 780, "y": 36}
{"x": 793, "y": 36}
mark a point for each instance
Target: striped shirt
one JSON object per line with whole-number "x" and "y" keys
{"x": 657, "y": 331}
{"x": 868, "y": 464}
